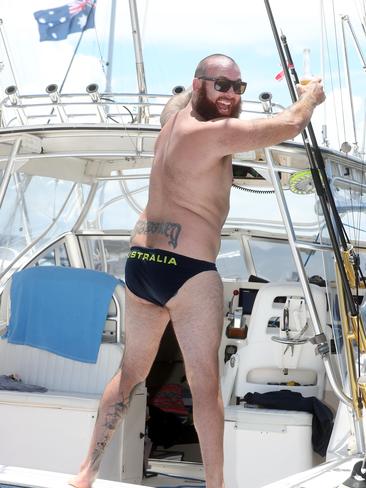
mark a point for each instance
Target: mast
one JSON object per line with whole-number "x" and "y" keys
{"x": 143, "y": 114}
{"x": 112, "y": 26}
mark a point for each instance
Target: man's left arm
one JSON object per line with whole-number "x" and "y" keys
{"x": 175, "y": 104}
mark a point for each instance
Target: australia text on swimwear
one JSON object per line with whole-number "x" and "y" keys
{"x": 147, "y": 256}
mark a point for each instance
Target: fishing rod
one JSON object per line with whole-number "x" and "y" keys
{"x": 317, "y": 168}
{"x": 317, "y": 153}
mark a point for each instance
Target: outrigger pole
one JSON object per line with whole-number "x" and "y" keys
{"x": 317, "y": 169}
{"x": 347, "y": 265}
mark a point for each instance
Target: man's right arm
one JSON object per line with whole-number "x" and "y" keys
{"x": 236, "y": 135}
{"x": 175, "y": 104}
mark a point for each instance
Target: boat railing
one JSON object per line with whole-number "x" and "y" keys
{"x": 53, "y": 107}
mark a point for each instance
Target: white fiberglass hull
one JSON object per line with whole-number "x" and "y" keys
{"x": 327, "y": 475}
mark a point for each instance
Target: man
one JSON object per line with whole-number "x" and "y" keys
{"x": 170, "y": 272}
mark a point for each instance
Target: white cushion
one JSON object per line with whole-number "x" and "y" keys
{"x": 42, "y": 368}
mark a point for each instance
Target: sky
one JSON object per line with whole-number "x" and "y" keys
{"x": 176, "y": 35}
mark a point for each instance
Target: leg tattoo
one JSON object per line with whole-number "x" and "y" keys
{"x": 113, "y": 416}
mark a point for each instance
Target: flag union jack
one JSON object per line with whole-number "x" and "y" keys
{"x": 57, "y": 23}
{"x": 79, "y": 6}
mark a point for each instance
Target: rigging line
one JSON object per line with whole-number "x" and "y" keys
{"x": 73, "y": 57}
{"x": 144, "y": 22}
{"x": 332, "y": 82}
{"x": 322, "y": 21}
{"x": 348, "y": 77}
{"x": 363, "y": 153}
{"x": 76, "y": 50}
{"x": 348, "y": 225}
{"x": 339, "y": 71}
{"x": 361, "y": 15}
{"x": 357, "y": 6}
{"x": 102, "y": 61}
{"x": 5, "y": 44}
{"x": 360, "y": 203}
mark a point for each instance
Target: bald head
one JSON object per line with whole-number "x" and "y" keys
{"x": 214, "y": 62}
{"x": 209, "y": 101}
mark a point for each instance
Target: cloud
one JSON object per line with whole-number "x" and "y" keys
{"x": 244, "y": 22}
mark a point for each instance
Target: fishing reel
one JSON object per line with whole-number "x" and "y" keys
{"x": 302, "y": 182}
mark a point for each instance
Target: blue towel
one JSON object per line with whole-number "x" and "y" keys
{"x": 61, "y": 310}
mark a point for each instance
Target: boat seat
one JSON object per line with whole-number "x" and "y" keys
{"x": 267, "y": 365}
{"x": 52, "y": 430}
{"x": 39, "y": 367}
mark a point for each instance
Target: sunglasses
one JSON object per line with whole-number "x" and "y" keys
{"x": 224, "y": 85}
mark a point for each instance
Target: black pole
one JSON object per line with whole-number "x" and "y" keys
{"x": 322, "y": 194}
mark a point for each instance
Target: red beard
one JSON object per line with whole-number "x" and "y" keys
{"x": 208, "y": 109}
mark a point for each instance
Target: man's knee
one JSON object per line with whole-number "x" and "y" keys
{"x": 130, "y": 378}
{"x": 204, "y": 385}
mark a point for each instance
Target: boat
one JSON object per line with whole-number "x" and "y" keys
{"x": 74, "y": 171}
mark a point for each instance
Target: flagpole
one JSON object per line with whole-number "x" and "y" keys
{"x": 112, "y": 27}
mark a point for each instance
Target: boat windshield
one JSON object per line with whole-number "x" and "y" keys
{"x": 112, "y": 205}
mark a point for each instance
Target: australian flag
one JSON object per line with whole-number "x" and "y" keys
{"x": 57, "y": 23}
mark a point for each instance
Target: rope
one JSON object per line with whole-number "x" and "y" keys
{"x": 73, "y": 57}
{"x": 361, "y": 15}
{"x": 102, "y": 61}
{"x": 7, "y": 52}
{"x": 339, "y": 70}
{"x": 76, "y": 50}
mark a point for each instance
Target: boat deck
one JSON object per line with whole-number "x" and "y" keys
{"x": 13, "y": 477}
{"x": 331, "y": 475}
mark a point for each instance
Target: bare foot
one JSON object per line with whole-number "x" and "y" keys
{"x": 82, "y": 479}
{"x": 80, "y": 482}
